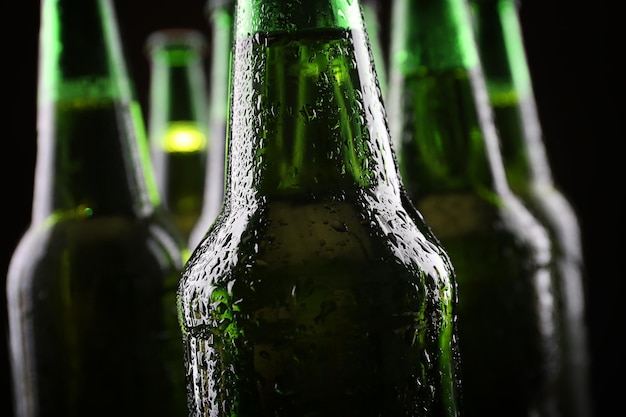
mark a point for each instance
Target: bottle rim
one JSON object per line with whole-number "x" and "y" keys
{"x": 177, "y": 37}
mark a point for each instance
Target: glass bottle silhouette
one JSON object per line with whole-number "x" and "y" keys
{"x": 318, "y": 290}
{"x": 502, "y": 52}
{"x": 449, "y": 158}
{"x": 91, "y": 286}
{"x": 178, "y": 125}
{"x": 220, "y": 18}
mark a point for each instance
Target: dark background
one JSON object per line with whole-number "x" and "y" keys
{"x": 573, "y": 53}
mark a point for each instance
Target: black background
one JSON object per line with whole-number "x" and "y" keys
{"x": 575, "y": 56}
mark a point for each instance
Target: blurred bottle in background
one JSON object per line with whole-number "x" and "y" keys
{"x": 91, "y": 285}
{"x": 448, "y": 152}
{"x": 178, "y": 121}
{"x": 373, "y": 15}
{"x": 220, "y": 19}
{"x": 502, "y": 52}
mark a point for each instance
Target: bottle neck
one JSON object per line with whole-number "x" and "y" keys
{"x": 92, "y": 151}
{"x": 307, "y": 119}
{"x": 221, "y": 26}
{"x": 220, "y": 19}
{"x": 277, "y": 16}
{"x": 178, "y": 103}
{"x": 177, "y": 88}
{"x": 501, "y": 48}
{"x": 440, "y": 113}
{"x": 221, "y": 22}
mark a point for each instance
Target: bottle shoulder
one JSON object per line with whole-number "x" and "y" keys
{"x": 553, "y": 209}
{"x": 321, "y": 235}
{"x": 285, "y": 258}
{"x": 126, "y": 248}
{"x": 552, "y": 203}
{"x": 475, "y": 216}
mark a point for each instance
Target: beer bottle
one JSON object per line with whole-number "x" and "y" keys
{"x": 178, "y": 124}
{"x": 91, "y": 286}
{"x": 318, "y": 290}
{"x": 449, "y": 158}
{"x": 220, "y": 19}
{"x": 501, "y": 48}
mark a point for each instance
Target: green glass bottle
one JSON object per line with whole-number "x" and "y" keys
{"x": 501, "y": 48}
{"x": 220, "y": 19}
{"x": 91, "y": 286}
{"x": 319, "y": 290}
{"x": 178, "y": 124}
{"x": 373, "y": 16}
{"x": 449, "y": 157}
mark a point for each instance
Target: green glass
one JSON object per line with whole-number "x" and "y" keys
{"x": 372, "y": 14}
{"x": 91, "y": 286}
{"x": 220, "y": 19}
{"x": 178, "y": 125}
{"x": 528, "y": 170}
{"x": 449, "y": 157}
{"x": 319, "y": 290}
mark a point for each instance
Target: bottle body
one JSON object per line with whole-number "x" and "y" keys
{"x": 449, "y": 156}
{"x": 506, "y": 319}
{"x": 328, "y": 295}
{"x": 93, "y": 318}
{"x": 501, "y": 46}
{"x": 178, "y": 128}
{"x": 337, "y": 326}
